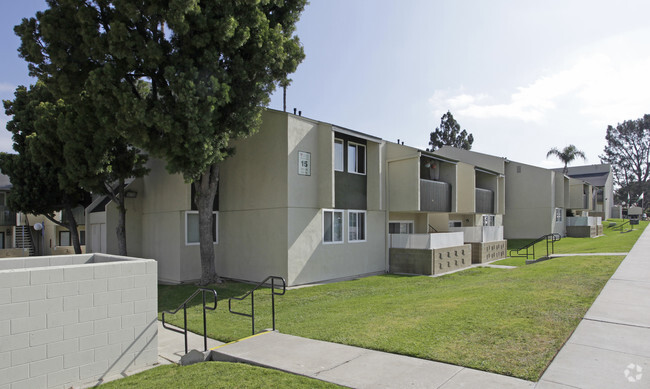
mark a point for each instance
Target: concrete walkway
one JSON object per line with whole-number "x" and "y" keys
{"x": 356, "y": 367}
{"x": 610, "y": 348}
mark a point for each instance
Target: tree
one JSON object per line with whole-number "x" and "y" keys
{"x": 99, "y": 159}
{"x": 181, "y": 78}
{"x": 628, "y": 152}
{"x": 449, "y": 134}
{"x": 37, "y": 171}
{"x": 567, "y": 155}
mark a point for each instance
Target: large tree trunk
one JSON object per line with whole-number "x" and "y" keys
{"x": 72, "y": 226}
{"x": 121, "y": 220}
{"x": 206, "y": 190}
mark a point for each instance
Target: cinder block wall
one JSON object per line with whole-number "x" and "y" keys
{"x": 73, "y": 320}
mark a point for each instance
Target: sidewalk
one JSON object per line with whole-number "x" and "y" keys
{"x": 610, "y": 348}
{"x": 356, "y": 367}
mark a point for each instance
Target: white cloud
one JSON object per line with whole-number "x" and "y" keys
{"x": 4, "y": 87}
{"x": 606, "y": 83}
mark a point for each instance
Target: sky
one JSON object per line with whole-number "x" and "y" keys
{"x": 521, "y": 76}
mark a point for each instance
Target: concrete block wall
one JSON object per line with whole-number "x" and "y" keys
{"x": 451, "y": 258}
{"x": 489, "y": 251}
{"x": 430, "y": 262}
{"x": 73, "y": 320}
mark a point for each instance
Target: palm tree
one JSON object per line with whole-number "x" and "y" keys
{"x": 567, "y": 155}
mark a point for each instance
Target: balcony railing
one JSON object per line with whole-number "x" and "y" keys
{"x": 484, "y": 201}
{"x": 480, "y": 234}
{"x": 426, "y": 241}
{"x": 435, "y": 196}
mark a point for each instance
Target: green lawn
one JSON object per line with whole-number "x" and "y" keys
{"x": 215, "y": 375}
{"x": 505, "y": 321}
{"x": 613, "y": 241}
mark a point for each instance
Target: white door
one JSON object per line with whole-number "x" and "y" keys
{"x": 98, "y": 236}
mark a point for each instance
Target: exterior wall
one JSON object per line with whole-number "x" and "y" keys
{"x": 582, "y": 231}
{"x": 75, "y": 320}
{"x": 13, "y": 253}
{"x": 430, "y": 262}
{"x": 311, "y": 260}
{"x": 489, "y": 251}
{"x": 485, "y": 161}
{"x": 530, "y": 207}
{"x": 404, "y": 185}
{"x": 465, "y": 185}
{"x": 165, "y": 197}
{"x": 133, "y": 222}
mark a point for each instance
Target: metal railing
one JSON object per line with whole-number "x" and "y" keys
{"x": 252, "y": 294}
{"x": 184, "y": 306}
{"x": 552, "y": 238}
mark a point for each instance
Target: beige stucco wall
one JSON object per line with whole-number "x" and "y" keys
{"x": 404, "y": 185}
{"x": 252, "y": 244}
{"x": 465, "y": 185}
{"x": 484, "y": 161}
{"x": 134, "y": 210}
{"x": 311, "y": 260}
{"x": 530, "y": 206}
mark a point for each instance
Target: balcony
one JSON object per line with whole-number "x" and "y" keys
{"x": 7, "y": 217}
{"x": 484, "y": 201}
{"x": 426, "y": 241}
{"x": 435, "y": 196}
{"x": 480, "y": 234}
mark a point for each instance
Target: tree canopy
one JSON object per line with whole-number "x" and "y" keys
{"x": 628, "y": 152}
{"x": 37, "y": 173}
{"x": 450, "y": 134}
{"x": 567, "y": 155}
{"x": 178, "y": 78}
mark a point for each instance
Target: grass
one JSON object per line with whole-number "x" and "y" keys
{"x": 612, "y": 241}
{"x": 506, "y": 321}
{"x": 215, "y": 375}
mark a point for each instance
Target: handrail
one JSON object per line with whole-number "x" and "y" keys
{"x": 252, "y": 294}
{"x": 184, "y": 306}
{"x": 433, "y": 228}
{"x": 553, "y": 237}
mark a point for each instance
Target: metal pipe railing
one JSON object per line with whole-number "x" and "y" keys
{"x": 184, "y": 306}
{"x": 252, "y": 294}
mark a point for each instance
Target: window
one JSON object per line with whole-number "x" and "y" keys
{"x": 356, "y": 226}
{"x": 338, "y": 155}
{"x": 192, "y": 227}
{"x": 400, "y": 227}
{"x": 488, "y": 220}
{"x": 356, "y": 158}
{"x": 332, "y": 226}
{"x": 558, "y": 214}
{"x": 82, "y": 237}
{"x": 64, "y": 238}
{"x": 455, "y": 223}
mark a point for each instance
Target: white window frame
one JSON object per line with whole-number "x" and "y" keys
{"x": 365, "y": 225}
{"x": 61, "y": 232}
{"x": 409, "y": 222}
{"x": 453, "y": 223}
{"x": 559, "y": 212}
{"x": 333, "y": 211}
{"x": 342, "y": 143}
{"x": 356, "y": 153}
{"x": 216, "y": 222}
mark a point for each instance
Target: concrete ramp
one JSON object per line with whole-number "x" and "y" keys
{"x": 353, "y": 366}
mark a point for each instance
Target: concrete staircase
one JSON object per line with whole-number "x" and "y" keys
{"x": 24, "y": 239}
